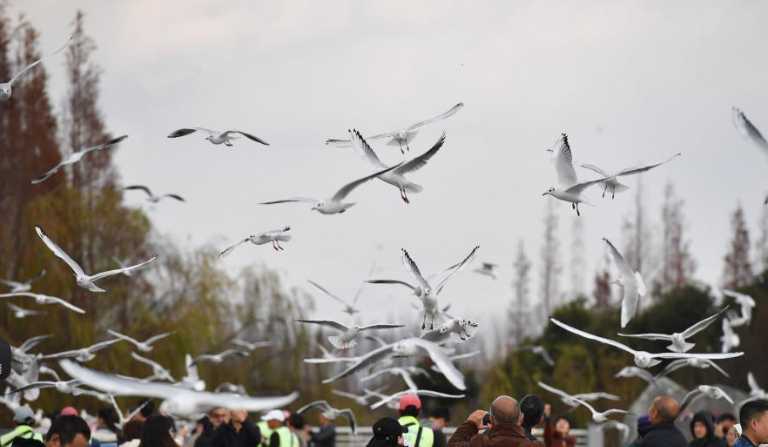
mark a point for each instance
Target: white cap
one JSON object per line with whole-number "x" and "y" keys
{"x": 274, "y": 415}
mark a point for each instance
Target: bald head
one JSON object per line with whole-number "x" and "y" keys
{"x": 505, "y": 409}
{"x": 664, "y": 409}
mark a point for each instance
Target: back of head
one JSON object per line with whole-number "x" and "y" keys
{"x": 109, "y": 418}
{"x": 667, "y": 408}
{"x": 726, "y": 417}
{"x": 132, "y": 430}
{"x": 148, "y": 409}
{"x": 505, "y": 409}
{"x": 532, "y": 408}
{"x": 441, "y": 413}
{"x": 750, "y": 412}
{"x": 410, "y": 405}
{"x": 157, "y": 432}
{"x": 64, "y": 429}
{"x": 297, "y": 421}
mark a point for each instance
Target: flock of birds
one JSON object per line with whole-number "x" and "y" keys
{"x": 187, "y": 397}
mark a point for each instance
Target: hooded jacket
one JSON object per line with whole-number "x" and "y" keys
{"x": 709, "y": 440}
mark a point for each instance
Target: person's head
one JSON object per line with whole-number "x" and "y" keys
{"x": 296, "y": 421}
{"x": 157, "y": 432}
{"x": 563, "y": 424}
{"x": 216, "y": 416}
{"x": 323, "y": 420}
{"x": 504, "y": 409}
{"x": 663, "y": 409}
{"x": 753, "y": 418}
{"x": 440, "y": 416}
{"x": 703, "y": 425}
{"x": 532, "y": 408}
{"x": 24, "y": 416}
{"x": 387, "y": 432}
{"x": 132, "y": 429}
{"x": 68, "y": 431}
{"x": 725, "y": 422}
{"x": 147, "y": 410}
{"x": 68, "y": 411}
{"x": 107, "y": 417}
{"x": 274, "y": 419}
{"x": 410, "y": 405}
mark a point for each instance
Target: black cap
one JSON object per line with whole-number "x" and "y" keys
{"x": 388, "y": 429}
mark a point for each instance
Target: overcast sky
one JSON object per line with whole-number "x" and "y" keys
{"x": 630, "y": 82}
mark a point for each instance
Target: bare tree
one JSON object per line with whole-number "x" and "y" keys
{"x": 602, "y": 293}
{"x": 519, "y": 310}
{"x": 678, "y": 265}
{"x": 550, "y": 261}
{"x": 638, "y": 242}
{"x": 578, "y": 262}
{"x": 737, "y": 271}
{"x": 761, "y": 245}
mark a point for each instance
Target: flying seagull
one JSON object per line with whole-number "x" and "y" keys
{"x": 403, "y": 136}
{"x": 677, "y": 340}
{"x": 634, "y": 371}
{"x": 575, "y": 400}
{"x": 645, "y": 359}
{"x": 747, "y": 129}
{"x": 428, "y": 393}
{"x": 569, "y": 189}
{"x": 19, "y": 312}
{"x": 65, "y": 387}
{"x": 5, "y": 88}
{"x": 251, "y": 346}
{"x": 83, "y": 280}
{"x": 746, "y": 303}
{"x": 695, "y": 363}
{"x": 176, "y": 400}
{"x": 218, "y": 358}
{"x": 158, "y": 371}
{"x": 542, "y": 352}
{"x": 346, "y": 337}
{"x": 217, "y": 137}
{"x": 331, "y": 413}
{"x": 334, "y": 204}
{"x": 348, "y": 308}
{"x": 77, "y": 156}
{"x": 487, "y": 269}
{"x": 22, "y": 286}
{"x": 360, "y": 399}
{"x": 274, "y": 236}
{"x": 630, "y": 281}
{"x": 151, "y": 197}
{"x": 729, "y": 338}
{"x": 611, "y": 180}
{"x": 84, "y": 354}
{"x": 44, "y": 299}
{"x": 456, "y": 327}
{"x": 711, "y": 392}
{"x": 143, "y": 346}
{"x": 395, "y": 178}
{"x": 596, "y": 416}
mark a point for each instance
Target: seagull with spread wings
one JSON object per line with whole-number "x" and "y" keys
{"x": 597, "y": 416}
{"x": 20, "y": 312}
{"x": 143, "y": 346}
{"x": 74, "y": 157}
{"x": 44, "y": 299}
{"x": 6, "y": 87}
{"x": 25, "y": 286}
{"x": 348, "y": 308}
{"x": 678, "y": 339}
{"x": 630, "y": 281}
{"x": 273, "y": 236}
{"x": 218, "y": 358}
{"x": 611, "y": 180}
{"x": 83, "y": 354}
{"x": 569, "y": 189}
{"x": 331, "y": 413}
{"x": 151, "y": 197}
{"x": 217, "y": 137}
{"x": 345, "y": 339}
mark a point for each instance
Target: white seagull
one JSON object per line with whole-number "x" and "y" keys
{"x": 151, "y": 197}
{"x": 645, "y": 359}
{"x": 611, "y": 180}
{"x": 575, "y": 400}
{"x": 630, "y": 281}
{"x": 218, "y": 137}
{"x": 730, "y": 339}
{"x": 273, "y": 236}
{"x": 569, "y": 189}
{"x": 634, "y": 371}
{"x": 176, "y": 400}
{"x": 455, "y": 327}
{"x": 65, "y": 387}
{"x": 83, "y": 280}
{"x": 218, "y": 358}
{"x": 695, "y": 363}
{"x": 746, "y": 302}
{"x": 428, "y": 393}
{"x": 77, "y": 156}
{"x": 250, "y": 346}
{"x": 5, "y": 87}
{"x": 84, "y": 354}
{"x": 678, "y": 339}
{"x": 747, "y": 129}
{"x": 596, "y": 416}
{"x": 22, "y": 286}
{"x": 143, "y": 346}
{"x": 192, "y": 380}
{"x": 360, "y": 399}
{"x": 19, "y": 312}
{"x": 334, "y": 204}
{"x": 396, "y": 178}
{"x": 542, "y": 352}
{"x": 158, "y": 371}
{"x": 711, "y": 392}
{"x": 403, "y": 136}
{"x": 346, "y": 337}
{"x": 44, "y": 299}
{"x": 487, "y": 269}
{"x": 348, "y": 308}
{"x": 331, "y": 413}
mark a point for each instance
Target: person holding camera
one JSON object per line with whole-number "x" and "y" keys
{"x": 502, "y": 422}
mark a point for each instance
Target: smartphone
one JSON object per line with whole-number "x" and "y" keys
{"x": 487, "y": 419}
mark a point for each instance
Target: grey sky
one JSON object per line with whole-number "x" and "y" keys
{"x": 630, "y": 82}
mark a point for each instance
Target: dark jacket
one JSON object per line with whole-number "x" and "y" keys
{"x": 226, "y": 436}
{"x": 553, "y": 438}
{"x": 528, "y": 433}
{"x": 709, "y": 440}
{"x": 326, "y": 437}
{"x": 205, "y": 438}
{"x": 500, "y": 435}
{"x": 663, "y": 434}
{"x": 439, "y": 437}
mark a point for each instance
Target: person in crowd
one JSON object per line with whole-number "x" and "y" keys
{"x": 280, "y": 435}
{"x": 325, "y": 436}
{"x": 237, "y": 432}
{"x": 24, "y": 421}
{"x": 106, "y": 427}
{"x": 158, "y": 432}
{"x": 559, "y": 434}
{"x": 68, "y": 431}
{"x": 724, "y": 423}
{"x": 410, "y": 409}
{"x": 662, "y": 431}
{"x": 438, "y": 418}
{"x": 131, "y": 433}
{"x": 298, "y": 425}
{"x": 753, "y": 418}
{"x": 532, "y": 408}
{"x": 642, "y": 421}
{"x": 387, "y": 432}
{"x": 703, "y": 431}
{"x": 504, "y": 427}
{"x": 212, "y": 420}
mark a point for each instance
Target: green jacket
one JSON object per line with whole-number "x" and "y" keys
{"x": 22, "y": 431}
{"x": 427, "y": 435}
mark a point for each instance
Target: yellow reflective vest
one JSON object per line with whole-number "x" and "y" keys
{"x": 22, "y": 431}
{"x": 412, "y": 438}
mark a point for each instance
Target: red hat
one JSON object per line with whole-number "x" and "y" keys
{"x": 410, "y": 400}
{"x": 69, "y": 411}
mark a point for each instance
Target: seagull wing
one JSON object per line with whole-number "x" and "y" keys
{"x": 174, "y": 196}
{"x": 459, "y": 268}
{"x": 701, "y": 356}
{"x": 664, "y": 337}
{"x": 122, "y": 336}
{"x": 147, "y": 361}
{"x": 606, "y": 341}
{"x": 670, "y": 368}
{"x": 53, "y": 299}
{"x": 554, "y": 390}
{"x": 390, "y": 281}
{"x": 184, "y": 132}
{"x": 753, "y": 385}
{"x": 101, "y": 146}
{"x": 563, "y": 159}
{"x": 101, "y": 345}
{"x": 39, "y": 60}
{"x": 103, "y": 275}
{"x": 701, "y": 325}
{"x": 717, "y": 367}
{"x": 421, "y": 161}
{"x": 592, "y": 168}
{"x": 347, "y": 413}
{"x": 36, "y": 277}
{"x": 32, "y": 342}
{"x": 346, "y": 189}
{"x": 327, "y": 323}
{"x": 689, "y": 398}
{"x": 578, "y": 188}
{"x": 442, "y": 116}
{"x": 156, "y": 338}
{"x": 446, "y": 366}
{"x": 338, "y": 143}
{"x": 232, "y": 247}
{"x": 322, "y": 404}
{"x": 364, "y": 149}
{"x": 291, "y": 200}
{"x": 32, "y": 386}
{"x": 15, "y": 307}
{"x": 140, "y": 188}
{"x": 247, "y": 135}
{"x": 381, "y": 326}
{"x": 745, "y": 126}
{"x": 427, "y": 393}
{"x": 45, "y": 176}
{"x": 363, "y": 361}
{"x": 11, "y": 284}
{"x": 640, "y": 169}
{"x": 413, "y": 269}
{"x": 631, "y": 290}
{"x": 329, "y": 294}
{"x": 59, "y": 252}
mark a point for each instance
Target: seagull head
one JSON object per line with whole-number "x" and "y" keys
{"x": 549, "y": 191}
{"x": 5, "y": 91}
{"x": 318, "y": 206}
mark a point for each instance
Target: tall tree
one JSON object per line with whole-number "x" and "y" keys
{"x": 678, "y": 265}
{"x": 602, "y": 291}
{"x": 638, "y": 237}
{"x": 519, "y": 310}
{"x": 761, "y": 245}
{"x": 550, "y": 261}
{"x": 578, "y": 262}
{"x": 737, "y": 272}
